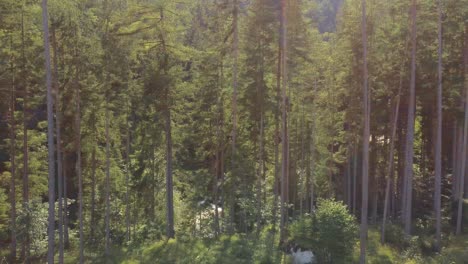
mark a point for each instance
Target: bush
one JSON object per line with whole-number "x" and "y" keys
{"x": 330, "y": 233}
{"x": 395, "y": 236}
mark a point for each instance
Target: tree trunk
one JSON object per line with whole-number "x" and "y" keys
{"x": 438, "y": 147}
{"x": 260, "y": 171}
{"x": 454, "y": 161}
{"x": 365, "y": 141}
{"x": 312, "y": 168}
{"x": 13, "y": 169}
{"x": 348, "y": 180}
{"x": 465, "y": 139}
{"x": 389, "y": 173}
{"x": 374, "y": 180}
{"x": 410, "y": 131}
{"x": 58, "y": 138}
{"x": 93, "y": 193}
{"x": 78, "y": 167}
{"x": 65, "y": 207}
{"x": 127, "y": 179}
{"x": 26, "y": 244}
{"x": 218, "y": 175}
{"x": 169, "y": 184}
{"x": 355, "y": 175}
{"x": 234, "y": 110}
{"x": 107, "y": 217}
{"x": 50, "y": 137}
{"x": 277, "y": 141}
{"x": 284, "y": 132}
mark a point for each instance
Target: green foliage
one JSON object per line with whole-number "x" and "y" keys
{"x": 4, "y": 207}
{"x": 395, "y": 236}
{"x": 330, "y": 233}
{"x": 32, "y": 219}
{"x": 234, "y": 249}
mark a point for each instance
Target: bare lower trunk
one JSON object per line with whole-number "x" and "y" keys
{"x": 276, "y": 142}
{"x": 78, "y": 170}
{"x": 260, "y": 174}
{"x": 284, "y": 134}
{"x": 464, "y": 145}
{"x": 169, "y": 184}
{"x": 365, "y": 140}
{"x": 410, "y": 132}
{"x": 59, "y": 149}
{"x": 438, "y": 147}
{"x": 454, "y": 161}
{"x": 234, "y": 112}
{"x": 127, "y": 179}
{"x": 93, "y": 195}
{"x": 65, "y": 207}
{"x": 389, "y": 173}
{"x": 13, "y": 172}
{"x": 26, "y": 244}
{"x": 107, "y": 217}
{"x": 355, "y": 163}
{"x": 50, "y": 138}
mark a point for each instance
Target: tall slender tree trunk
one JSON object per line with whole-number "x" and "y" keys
{"x": 365, "y": 141}
{"x": 410, "y": 131}
{"x": 312, "y": 168}
{"x": 58, "y": 138}
{"x": 234, "y": 110}
{"x": 355, "y": 175}
{"x": 218, "y": 175}
{"x": 348, "y": 180}
{"x": 26, "y": 244}
{"x": 454, "y": 161}
{"x": 93, "y": 193}
{"x": 465, "y": 138}
{"x": 169, "y": 184}
{"x": 391, "y": 155}
{"x": 222, "y": 189}
{"x": 277, "y": 141}
{"x": 127, "y": 182}
{"x": 13, "y": 168}
{"x": 78, "y": 166}
{"x": 107, "y": 216}
{"x": 50, "y": 137}
{"x": 216, "y": 179}
{"x": 66, "y": 237}
{"x": 260, "y": 171}
{"x": 284, "y": 132}
{"x": 438, "y": 147}
{"x": 374, "y": 180}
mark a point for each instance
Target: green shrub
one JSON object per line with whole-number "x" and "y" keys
{"x": 331, "y": 232}
{"x": 395, "y": 236}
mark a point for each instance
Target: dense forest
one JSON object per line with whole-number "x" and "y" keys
{"x": 233, "y": 131}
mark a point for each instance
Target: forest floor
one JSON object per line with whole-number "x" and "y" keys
{"x": 455, "y": 250}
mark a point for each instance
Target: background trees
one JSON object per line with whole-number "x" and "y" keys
{"x": 184, "y": 121}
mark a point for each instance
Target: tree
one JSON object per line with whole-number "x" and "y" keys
{"x": 107, "y": 217}
{"x": 58, "y": 138}
{"x": 365, "y": 140}
{"x": 438, "y": 147}
{"x": 409, "y": 151}
{"x": 235, "y": 49}
{"x": 391, "y": 156}
{"x": 50, "y": 136}
{"x": 13, "y": 170}
{"x": 26, "y": 246}
{"x": 464, "y": 136}
{"x": 284, "y": 122}
{"x": 78, "y": 164}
